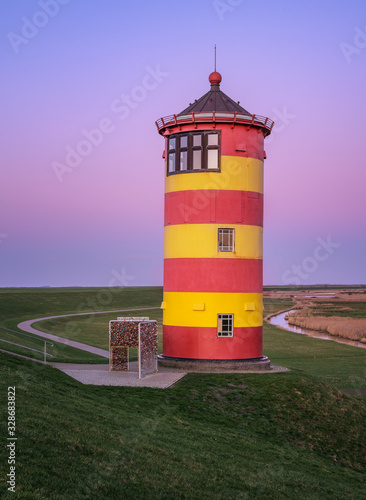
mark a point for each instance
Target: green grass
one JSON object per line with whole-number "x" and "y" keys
{"x": 342, "y": 365}
{"x": 276, "y": 305}
{"x": 217, "y": 436}
{"x": 61, "y": 353}
{"x": 20, "y": 304}
{"x": 94, "y": 329}
{"x": 91, "y": 329}
{"x": 350, "y": 309}
{"x": 238, "y": 436}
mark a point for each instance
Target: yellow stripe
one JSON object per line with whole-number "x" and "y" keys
{"x": 237, "y": 173}
{"x": 186, "y": 241}
{"x": 180, "y": 308}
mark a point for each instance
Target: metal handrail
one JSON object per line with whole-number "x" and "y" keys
{"x": 253, "y": 120}
{"x": 45, "y": 342}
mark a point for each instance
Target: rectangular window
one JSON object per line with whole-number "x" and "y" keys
{"x": 225, "y": 325}
{"x": 171, "y": 160}
{"x": 183, "y": 152}
{"x": 212, "y": 159}
{"x": 197, "y": 140}
{"x": 183, "y": 160}
{"x": 171, "y": 154}
{"x": 193, "y": 151}
{"x": 197, "y": 152}
{"x": 197, "y": 157}
{"x": 212, "y": 139}
{"x": 226, "y": 240}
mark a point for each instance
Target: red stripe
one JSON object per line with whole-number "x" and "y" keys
{"x": 213, "y": 206}
{"x": 237, "y": 141}
{"x": 213, "y": 275}
{"x": 241, "y": 142}
{"x": 203, "y": 343}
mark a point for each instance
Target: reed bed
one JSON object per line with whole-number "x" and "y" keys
{"x": 349, "y": 328}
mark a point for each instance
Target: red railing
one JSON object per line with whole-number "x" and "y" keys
{"x": 253, "y": 120}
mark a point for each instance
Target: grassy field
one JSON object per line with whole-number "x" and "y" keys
{"x": 220, "y": 436}
{"x": 241, "y": 436}
{"x": 338, "y": 364}
{"x": 93, "y": 329}
{"x": 340, "y": 308}
{"x": 23, "y": 304}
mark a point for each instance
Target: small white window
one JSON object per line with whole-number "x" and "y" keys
{"x": 225, "y": 325}
{"x": 171, "y": 159}
{"x": 212, "y": 139}
{"x": 197, "y": 157}
{"x": 183, "y": 160}
{"x": 226, "y": 239}
{"x": 212, "y": 158}
{"x": 197, "y": 140}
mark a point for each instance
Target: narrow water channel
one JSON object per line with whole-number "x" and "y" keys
{"x": 279, "y": 320}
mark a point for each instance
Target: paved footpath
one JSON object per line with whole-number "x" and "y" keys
{"x": 26, "y": 326}
{"x": 100, "y": 374}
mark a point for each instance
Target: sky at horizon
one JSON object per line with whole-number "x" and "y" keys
{"x": 94, "y": 76}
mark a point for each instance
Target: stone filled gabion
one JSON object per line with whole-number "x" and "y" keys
{"x": 119, "y": 358}
{"x": 124, "y": 334}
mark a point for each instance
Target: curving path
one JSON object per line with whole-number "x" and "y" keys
{"x": 26, "y": 326}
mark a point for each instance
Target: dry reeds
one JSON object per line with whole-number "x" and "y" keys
{"x": 349, "y": 328}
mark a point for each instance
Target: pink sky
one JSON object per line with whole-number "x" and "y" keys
{"x": 302, "y": 65}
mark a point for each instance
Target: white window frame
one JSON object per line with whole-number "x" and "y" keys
{"x": 231, "y": 236}
{"x": 229, "y": 331}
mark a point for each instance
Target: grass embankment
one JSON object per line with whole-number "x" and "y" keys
{"x": 244, "y": 436}
{"x": 18, "y": 305}
{"x": 93, "y": 329}
{"x": 342, "y": 365}
{"x": 267, "y": 436}
{"x": 339, "y": 318}
{"x": 330, "y": 362}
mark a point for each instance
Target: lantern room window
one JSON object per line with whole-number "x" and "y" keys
{"x": 194, "y": 151}
{"x": 226, "y": 240}
{"x": 225, "y": 325}
{"x": 172, "y": 154}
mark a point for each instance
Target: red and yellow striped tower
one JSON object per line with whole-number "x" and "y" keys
{"x": 213, "y": 302}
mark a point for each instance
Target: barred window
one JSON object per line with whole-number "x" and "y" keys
{"x": 225, "y": 325}
{"x": 226, "y": 240}
{"x": 193, "y": 151}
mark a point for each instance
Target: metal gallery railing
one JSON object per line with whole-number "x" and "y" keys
{"x": 213, "y": 117}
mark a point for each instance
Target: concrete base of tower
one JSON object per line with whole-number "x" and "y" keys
{"x": 256, "y": 364}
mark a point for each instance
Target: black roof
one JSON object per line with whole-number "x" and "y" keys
{"x": 214, "y": 100}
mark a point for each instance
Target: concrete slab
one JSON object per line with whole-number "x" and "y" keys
{"x": 100, "y": 375}
{"x": 166, "y": 377}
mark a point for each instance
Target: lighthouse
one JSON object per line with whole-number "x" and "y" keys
{"x": 213, "y": 231}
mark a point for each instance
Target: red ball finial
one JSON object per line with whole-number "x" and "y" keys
{"x": 215, "y": 78}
